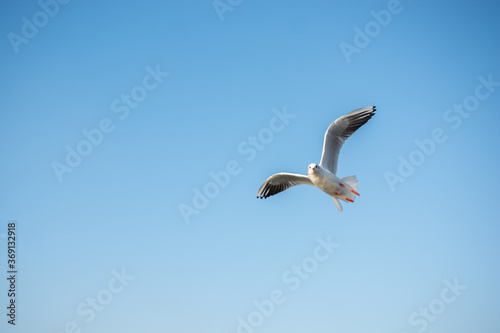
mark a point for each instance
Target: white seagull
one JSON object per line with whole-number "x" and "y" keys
{"x": 324, "y": 174}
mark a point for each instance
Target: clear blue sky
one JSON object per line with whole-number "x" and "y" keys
{"x": 161, "y": 96}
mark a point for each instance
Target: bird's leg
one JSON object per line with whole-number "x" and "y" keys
{"x": 350, "y": 189}
{"x": 346, "y": 198}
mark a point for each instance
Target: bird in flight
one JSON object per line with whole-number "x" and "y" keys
{"x": 323, "y": 175}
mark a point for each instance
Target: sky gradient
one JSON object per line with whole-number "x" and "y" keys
{"x": 135, "y": 136}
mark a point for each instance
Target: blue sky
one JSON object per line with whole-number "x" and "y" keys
{"x": 157, "y": 97}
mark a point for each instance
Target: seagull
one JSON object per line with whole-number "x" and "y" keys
{"x": 323, "y": 175}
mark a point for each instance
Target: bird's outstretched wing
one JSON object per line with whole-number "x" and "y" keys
{"x": 280, "y": 182}
{"x": 339, "y": 131}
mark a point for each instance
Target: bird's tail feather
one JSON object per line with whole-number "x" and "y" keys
{"x": 352, "y": 181}
{"x": 348, "y": 193}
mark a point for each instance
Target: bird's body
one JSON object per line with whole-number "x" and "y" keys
{"x": 325, "y": 180}
{"x": 324, "y": 175}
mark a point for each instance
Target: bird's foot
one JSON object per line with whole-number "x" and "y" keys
{"x": 350, "y": 189}
{"x": 346, "y": 198}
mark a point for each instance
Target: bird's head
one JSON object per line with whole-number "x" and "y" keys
{"x": 313, "y": 167}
